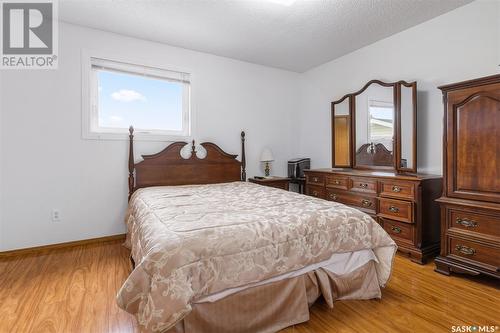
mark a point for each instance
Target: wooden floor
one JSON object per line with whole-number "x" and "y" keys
{"x": 73, "y": 290}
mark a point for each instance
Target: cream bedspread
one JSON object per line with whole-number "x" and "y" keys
{"x": 192, "y": 241}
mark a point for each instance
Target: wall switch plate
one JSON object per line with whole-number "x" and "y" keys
{"x": 56, "y": 215}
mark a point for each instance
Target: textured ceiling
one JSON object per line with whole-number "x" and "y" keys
{"x": 297, "y": 37}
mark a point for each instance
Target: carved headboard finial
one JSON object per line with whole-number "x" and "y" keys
{"x": 131, "y": 165}
{"x": 193, "y": 149}
{"x": 243, "y": 158}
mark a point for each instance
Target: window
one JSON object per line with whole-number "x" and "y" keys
{"x": 381, "y": 123}
{"x": 155, "y": 101}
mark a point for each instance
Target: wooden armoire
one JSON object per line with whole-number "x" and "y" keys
{"x": 470, "y": 205}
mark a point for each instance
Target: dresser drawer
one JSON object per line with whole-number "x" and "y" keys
{"x": 405, "y": 190}
{"x": 476, "y": 222}
{"x": 396, "y": 209}
{"x": 483, "y": 255}
{"x": 363, "y": 185}
{"x": 335, "y": 181}
{"x": 366, "y": 203}
{"x": 315, "y": 179}
{"x": 315, "y": 191}
{"x": 397, "y": 229}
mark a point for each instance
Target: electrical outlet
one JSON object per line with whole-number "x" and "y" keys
{"x": 56, "y": 215}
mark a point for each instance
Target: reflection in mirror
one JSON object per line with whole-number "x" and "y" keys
{"x": 407, "y": 128}
{"x": 375, "y": 126}
{"x": 381, "y": 123}
{"x": 342, "y": 121}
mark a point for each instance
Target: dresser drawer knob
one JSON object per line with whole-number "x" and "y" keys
{"x": 315, "y": 193}
{"x": 336, "y": 182}
{"x": 466, "y": 223}
{"x": 366, "y": 203}
{"x": 469, "y": 251}
{"x": 363, "y": 185}
{"x": 315, "y": 179}
{"x": 396, "y": 230}
{"x": 394, "y": 209}
{"x": 333, "y": 196}
{"x": 396, "y": 189}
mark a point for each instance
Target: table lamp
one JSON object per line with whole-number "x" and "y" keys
{"x": 267, "y": 156}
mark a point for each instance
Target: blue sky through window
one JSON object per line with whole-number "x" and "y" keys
{"x": 143, "y": 102}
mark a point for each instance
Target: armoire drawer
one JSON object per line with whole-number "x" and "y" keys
{"x": 396, "y": 210}
{"x": 366, "y": 203}
{"x": 398, "y": 229}
{"x": 404, "y": 190}
{"x": 475, "y": 222}
{"x": 475, "y": 252}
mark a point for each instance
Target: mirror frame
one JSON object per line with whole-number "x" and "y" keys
{"x": 397, "y": 129}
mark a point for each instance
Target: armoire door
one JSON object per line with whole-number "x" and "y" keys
{"x": 473, "y": 143}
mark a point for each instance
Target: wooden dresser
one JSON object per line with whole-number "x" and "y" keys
{"x": 470, "y": 205}
{"x": 404, "y": 205}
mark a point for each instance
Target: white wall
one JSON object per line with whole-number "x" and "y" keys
{"x": 462, "y": 44}
{"x": 46, "y": 164}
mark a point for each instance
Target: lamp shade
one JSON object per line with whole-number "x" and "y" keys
{"x": 267, "y": 155}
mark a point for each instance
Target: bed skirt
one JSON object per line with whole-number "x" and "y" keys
{"x": 277, "y": 305}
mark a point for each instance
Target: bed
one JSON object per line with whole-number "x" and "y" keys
{"x": 213, "y": 253}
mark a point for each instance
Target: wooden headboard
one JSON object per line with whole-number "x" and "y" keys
{"x": 168, "y": 167}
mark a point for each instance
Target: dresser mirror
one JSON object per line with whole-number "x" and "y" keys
{"x": 342, "y": 129}
{"x": 407, "y": 137}
{"x": 375, "y": 127}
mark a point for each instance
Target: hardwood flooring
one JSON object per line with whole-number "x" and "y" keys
{"x": 73, "y": 290}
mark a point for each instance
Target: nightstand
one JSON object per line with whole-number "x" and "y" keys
{"x": 277, "y": 182}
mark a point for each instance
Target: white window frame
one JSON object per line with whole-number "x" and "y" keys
{"x": 90, "y": 129}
